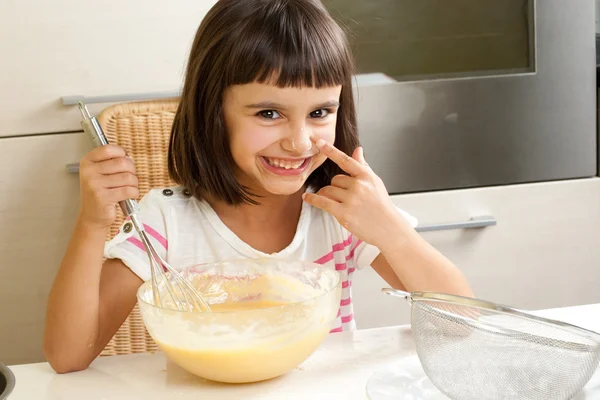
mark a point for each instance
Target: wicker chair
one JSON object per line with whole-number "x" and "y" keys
{"x": 143, "y": 130}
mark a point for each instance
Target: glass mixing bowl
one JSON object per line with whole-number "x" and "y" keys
{"x": 267, "y": 317}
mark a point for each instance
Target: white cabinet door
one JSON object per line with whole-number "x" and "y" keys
{"x": 38, "y": 205}
{"x": 60, "y": 48}
{"x": 544, "y": 251}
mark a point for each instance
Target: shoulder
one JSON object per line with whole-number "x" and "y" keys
{"x": 324, "y": 227}
{"x": 167, "y": 196}
{"x": 318, "y": 216}
{"x": 167, "y": 204}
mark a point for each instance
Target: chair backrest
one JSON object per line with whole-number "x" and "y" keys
{"x": 143, "y": 129}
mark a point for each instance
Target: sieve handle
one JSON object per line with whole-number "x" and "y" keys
{"x": 397, "y": 293}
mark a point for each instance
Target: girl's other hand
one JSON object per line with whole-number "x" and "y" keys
{"x": 360, "y": 202}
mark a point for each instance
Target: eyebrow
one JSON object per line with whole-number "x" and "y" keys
{"x": 273, "y": 105}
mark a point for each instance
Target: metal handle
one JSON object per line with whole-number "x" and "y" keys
{"x": 73, "y": 168}
{"x": 77, "y": 99}
{"x": 91, "y": 126}
{"x": 396, "y": 293}
{"x": 114, "y": 98}
{"x": 475, "y": 222}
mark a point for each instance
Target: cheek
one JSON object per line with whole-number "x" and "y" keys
{"x": 327, "y": 133}
{"x": 249, "y": 141}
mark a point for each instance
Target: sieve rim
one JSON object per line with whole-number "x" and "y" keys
{"x": 502, "y": 309}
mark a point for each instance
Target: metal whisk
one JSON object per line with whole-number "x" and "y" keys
{"x": 472, "y": 349}
{"x": 181, "y": 292}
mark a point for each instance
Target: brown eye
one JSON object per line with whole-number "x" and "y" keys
{"x": 269, "y": 114}
{"x": 319, "y": 114}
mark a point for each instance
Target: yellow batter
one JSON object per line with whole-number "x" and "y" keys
{"x": 246, "y": 305}
{"x": 247, "y": 364}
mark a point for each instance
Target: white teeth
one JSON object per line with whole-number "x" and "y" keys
{"x": 276, "y": 162}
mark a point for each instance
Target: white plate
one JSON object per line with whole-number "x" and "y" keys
{"x": 406, "y": 380}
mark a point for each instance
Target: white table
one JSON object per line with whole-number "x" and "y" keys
{"x": 339, "y": 369}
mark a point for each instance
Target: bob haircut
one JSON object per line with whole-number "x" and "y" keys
{"x": 286, "y": 43}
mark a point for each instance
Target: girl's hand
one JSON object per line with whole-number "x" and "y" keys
{"x": 106, "y": 176}
{"x": 360, "y": 202}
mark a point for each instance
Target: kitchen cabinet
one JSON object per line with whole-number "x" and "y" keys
{"x": 70, "y": 47}
{"x": 543, "y": 252}
{"x": 38, "y": 205}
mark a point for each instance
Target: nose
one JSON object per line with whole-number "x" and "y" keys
{"x": 298, "y": 141}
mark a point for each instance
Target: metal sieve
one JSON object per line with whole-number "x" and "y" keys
{"x": 472, "y": 349}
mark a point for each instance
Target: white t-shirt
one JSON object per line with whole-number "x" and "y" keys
{"x": 186, "y": 231}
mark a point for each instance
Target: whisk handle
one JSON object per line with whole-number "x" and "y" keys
{"x": 92, "y": 127}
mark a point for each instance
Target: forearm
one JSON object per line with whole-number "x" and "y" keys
{"x": 72, "y": 317}
{"x": 420, "y": 267}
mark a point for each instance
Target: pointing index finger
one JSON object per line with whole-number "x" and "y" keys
{"x": 343, "y": 160}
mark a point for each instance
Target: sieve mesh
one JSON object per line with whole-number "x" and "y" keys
{"x": 478, "y": 353}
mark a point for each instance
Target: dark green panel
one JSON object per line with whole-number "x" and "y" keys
{"x": 403, "y": 38}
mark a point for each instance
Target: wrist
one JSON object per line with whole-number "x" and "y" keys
{"x": 398, "y": 235}
{"x": 401, "y": 247}
{"x": 85, "y": 226}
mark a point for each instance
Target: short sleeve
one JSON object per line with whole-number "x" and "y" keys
{"x": 365, "y": 254}
{"x": 128, "y": 247}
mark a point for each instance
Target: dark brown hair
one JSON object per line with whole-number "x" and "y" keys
{"x": 289, "y": 43}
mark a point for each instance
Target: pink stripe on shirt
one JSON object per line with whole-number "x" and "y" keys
{"x": 340, "y": 267}
{"x": 329, "y": 256}
{"x": 345, "y": 302}
{"x": 347, "y": 318}
{"x": 326, "y": 258}
{"x": 351, "y": 254}
{"x": 152, "y": 232}
{"x": 336, "y": 247}
{"x": 342, "y": 245}
{"x": 138, "y": 243}
{"x": 160, "y": 238}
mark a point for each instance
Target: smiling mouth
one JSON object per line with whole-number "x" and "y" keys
{"x": 283, "y": 166}
{"x": 286, "y": 163}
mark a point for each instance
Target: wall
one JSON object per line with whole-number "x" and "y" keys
{"x": 50, "y": 50}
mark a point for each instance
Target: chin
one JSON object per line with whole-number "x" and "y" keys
{"x": 283, "y": 188}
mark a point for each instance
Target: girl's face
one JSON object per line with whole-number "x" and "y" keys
{"x": 270, "y": 131}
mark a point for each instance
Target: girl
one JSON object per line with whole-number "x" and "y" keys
{"x": 265, "y": 149}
